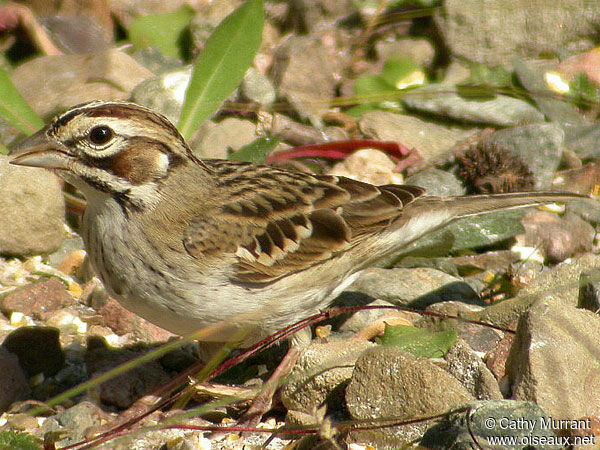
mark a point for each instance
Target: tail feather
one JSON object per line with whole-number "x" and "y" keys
{"x": 473, "y": 205}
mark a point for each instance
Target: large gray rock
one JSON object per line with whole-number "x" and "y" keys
{"x": 417, "y": 287}
{"x": 431, "y": 139}
{"x": 564, "y": 114}
{"x": 491, "y": 32}
{"x": 33, "y": 210}
{"x": 442, "y": 100}
{"x": 304, "y": 74}
{"x": 489, "y": 423}
{"x": 389, "y": 383}
{"x": 562, "y": 282}
{"x": 555, "y": 361}
{"x": 479, "y": 339}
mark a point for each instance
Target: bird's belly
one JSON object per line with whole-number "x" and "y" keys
{"x": 182, "y": 304}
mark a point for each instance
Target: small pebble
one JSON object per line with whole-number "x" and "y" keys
{"x": 72, "y": 262}
{"x": 370, "y": 166}
{"x": 18, "y": 319}
{"x": 528, "y": 253}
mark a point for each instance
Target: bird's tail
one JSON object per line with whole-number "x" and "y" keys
{"x": 428, "y": 214}
{"x": 473, "y": 205}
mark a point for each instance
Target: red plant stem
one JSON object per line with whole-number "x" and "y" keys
{"x": 340, "y": 149}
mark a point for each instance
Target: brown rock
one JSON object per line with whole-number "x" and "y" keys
{"x": 13, "y": 382}
{"x": 557, "y": 237}
{"x": 37, "y": 299}
{"x": 304, "y": 74}
{"x": 554, "y": 360}
{"x": 123, "y": 321}
{"x": 33, "y": 210}
{"x": 389, "y": 383}
{"x": 72, "y": 79}
{"x": 468, "y": 368}
{"x": 496, "y": 358}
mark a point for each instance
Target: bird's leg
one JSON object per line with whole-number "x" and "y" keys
{"x": 263, "y": 401}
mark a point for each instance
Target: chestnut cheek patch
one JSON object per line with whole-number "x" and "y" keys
{"x": 140, "y": 165}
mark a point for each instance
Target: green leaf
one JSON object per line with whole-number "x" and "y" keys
{"x": 371, "y": 84}
{"x": 357, "y": 111}
{"x": 220, "y": 68}
{"x": 10, "y": 440}
{"x": 402, "y": 72}
{"x": 471, "y": 233}
{"x": 162, "y": 31}
{"x": 257, "y": 151}
{"x": 476, "y": 93}
{"x": 418, "y": 341}
{"x": 14, "y": 109}
{"x": 373, "y": 87}
{"x": 3, "y": 149}
{"x": 584, "y": 89}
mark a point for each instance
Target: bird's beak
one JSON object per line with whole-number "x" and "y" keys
{"x": 38, "y": 151}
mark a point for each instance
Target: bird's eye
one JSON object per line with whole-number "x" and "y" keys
{"x": 100, "y": 135}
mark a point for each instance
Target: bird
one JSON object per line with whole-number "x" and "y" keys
{"x": 187, "y": 242}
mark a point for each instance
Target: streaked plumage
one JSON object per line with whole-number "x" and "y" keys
{"x": 186, "y": 242}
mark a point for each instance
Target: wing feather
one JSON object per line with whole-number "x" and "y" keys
{"x": 276, "y": 222}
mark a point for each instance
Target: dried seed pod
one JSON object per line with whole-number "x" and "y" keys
{"x": 490, "y": 168}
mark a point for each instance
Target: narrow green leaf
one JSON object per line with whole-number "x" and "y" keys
{"x": 484, "y": 75}
{"x": 485, "y": 82}
{"x": 357, "y": 111}
{"x": 220, "y": 68}
{"x": 162, "y": 31}
{"x": 14, "y": 109}
{"x": 256, "y": 151}
{"x": 418, "y": 341}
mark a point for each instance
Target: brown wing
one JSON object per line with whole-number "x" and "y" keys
{"x": 277, "y": 222}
